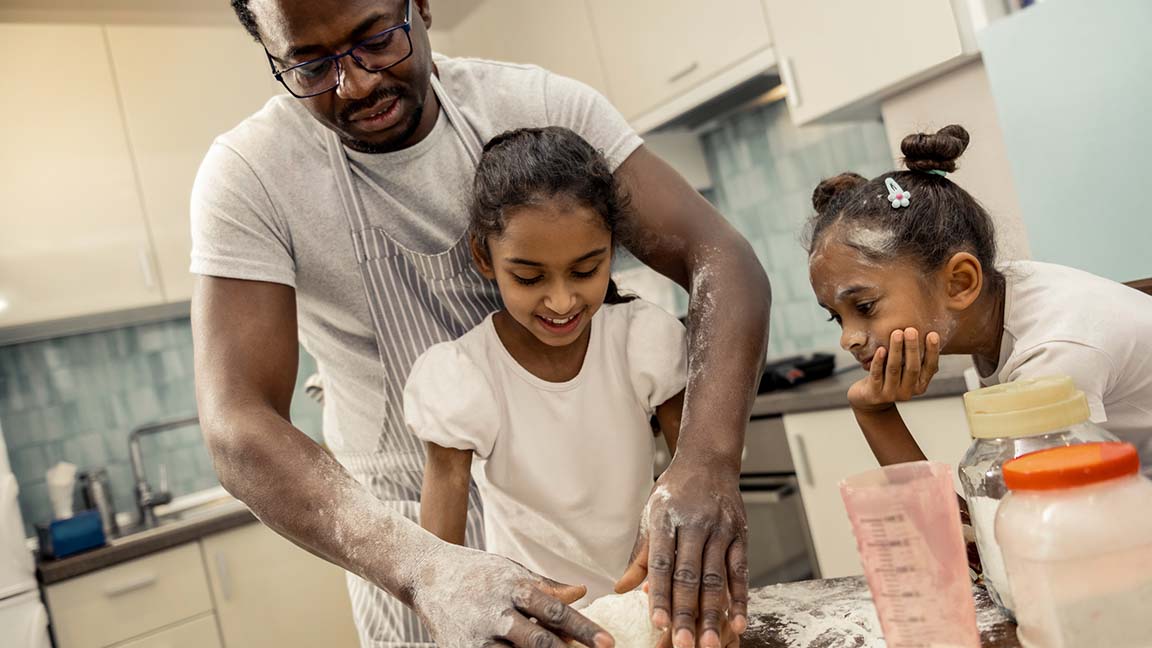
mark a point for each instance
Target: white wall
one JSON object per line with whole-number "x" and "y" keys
{"x": 964, "y": 97}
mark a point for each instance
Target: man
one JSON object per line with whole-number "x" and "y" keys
{"x": 338, "y": 214}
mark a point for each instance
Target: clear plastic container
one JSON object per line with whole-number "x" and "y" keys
{"x": 1076, "y": 532}
{"x": 1008, "y": 421}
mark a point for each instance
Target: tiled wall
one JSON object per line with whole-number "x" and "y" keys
{"x": 764, "y": 170}
{"x": 76, "y": 399}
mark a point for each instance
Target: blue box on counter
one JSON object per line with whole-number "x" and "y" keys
{"x": 63, "y": 538}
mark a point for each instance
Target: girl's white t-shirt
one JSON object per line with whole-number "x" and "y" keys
{"x": 564, "y": 469}
{"x": 1063, "y": 321}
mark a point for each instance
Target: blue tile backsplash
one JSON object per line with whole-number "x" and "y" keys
{"x": 764, "y": 170}
{"x": 76, "y": 398}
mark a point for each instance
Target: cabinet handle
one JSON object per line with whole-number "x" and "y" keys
{"x": 130, "y": 585}
{"x": 685, "y": 72}
{"x": 788, "y": 76}
{"x": 224, "y": 575}
{"x": 146, "y": 268}
{"x": 805, "y": 466}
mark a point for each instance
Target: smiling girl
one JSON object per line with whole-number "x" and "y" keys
{"x": 548, "y": 402}
{"x": 906, "y": 264}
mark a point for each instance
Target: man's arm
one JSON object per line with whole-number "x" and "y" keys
{"x": 695, "y": 563}
{"x": 246, "y": 354}
{"x": 444, "y": 495}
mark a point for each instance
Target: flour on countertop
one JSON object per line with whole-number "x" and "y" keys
{"x": 816, "y": 614}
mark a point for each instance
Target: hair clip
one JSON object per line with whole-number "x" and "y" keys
{"x": 897, "y": 196}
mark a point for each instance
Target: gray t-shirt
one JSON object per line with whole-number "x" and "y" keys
{"x": 266, "y": 207}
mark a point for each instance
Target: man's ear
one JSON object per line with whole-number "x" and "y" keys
{"x": 963, "y": 279}
{"x": 423, "y": 8}
{"x": 480, "y": 257}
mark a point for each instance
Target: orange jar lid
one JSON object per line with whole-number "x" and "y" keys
{"x": 1071, "y": 466}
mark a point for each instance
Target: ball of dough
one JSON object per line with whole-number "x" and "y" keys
{"x": 626, "y": 618}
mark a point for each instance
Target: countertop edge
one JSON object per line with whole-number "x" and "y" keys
{"x": 51, "y": 572}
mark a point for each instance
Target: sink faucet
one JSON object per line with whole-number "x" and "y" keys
{"x": 146, "y": 498}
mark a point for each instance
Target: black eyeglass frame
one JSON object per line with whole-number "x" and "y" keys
{"x": 406, "y": 26}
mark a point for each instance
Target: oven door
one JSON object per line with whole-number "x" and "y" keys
{"x": 779, "y": 544}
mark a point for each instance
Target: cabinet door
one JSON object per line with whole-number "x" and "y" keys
{"x": 180, "y": 88}
{"x": 130, "y": 599}
{"x": 557, "y": 36}
{"x": 655, "y": 50}
{"x": 72, "y": 235}
{"x": 836, "y": 53}
{"x": 270, "y": 593}
{"x": 828, "y": 446}
{"x": 197, "y": 633}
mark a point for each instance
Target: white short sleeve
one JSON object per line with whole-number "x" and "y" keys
{"x": 449, "y": 401}
{"x": 236, "y": 232}
{"x": 1088, "y": 367}
{"x": 657, "y": 354}
{"x": 577, "y": 106}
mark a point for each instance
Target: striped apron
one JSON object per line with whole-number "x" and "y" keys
{"x": 416, "y": 300}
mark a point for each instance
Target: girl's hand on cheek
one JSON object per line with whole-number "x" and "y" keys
{"x": 898, "y": 373}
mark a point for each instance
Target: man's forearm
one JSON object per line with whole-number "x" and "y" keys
{"x": 295, "y": 487}
{"x": 727, "y": 340}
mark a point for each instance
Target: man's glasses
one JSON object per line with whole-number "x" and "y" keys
{"x": 375, "y": 53}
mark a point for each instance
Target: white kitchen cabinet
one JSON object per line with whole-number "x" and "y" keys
{"x": 838, "y": 57}
{"x": 554, "y": 34}
{"x": 656, "y": 50}
{"x": 180, "y": 87}
{"x": 827, "y": 446}
{"x": 197, "y": 633}
{"x": 130, "y": 599}
{"x": 73, "y": 239}
{"x": 271, "y": 593}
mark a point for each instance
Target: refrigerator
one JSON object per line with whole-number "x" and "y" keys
{"x": 23, "y": 619}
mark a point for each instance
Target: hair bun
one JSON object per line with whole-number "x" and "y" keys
{"x": 832, "y": 189}
{"x": 938, "y": 152}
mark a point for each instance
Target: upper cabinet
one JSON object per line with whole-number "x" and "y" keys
{"x": 180, "y": 87}
{"x": 655, "y": 51}
{"x": 556, "y": 35}
{"x": 838, "y": 57}
{"x": 73, "y": 239}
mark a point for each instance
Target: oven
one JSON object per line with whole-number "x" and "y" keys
{"x": 779, "y": 544}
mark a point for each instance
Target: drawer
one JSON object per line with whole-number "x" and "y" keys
{"x": 197, "y": 633}
{"x": 129, "y": 599}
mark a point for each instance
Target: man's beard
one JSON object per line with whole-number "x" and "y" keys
{"x": 407, "y": 128}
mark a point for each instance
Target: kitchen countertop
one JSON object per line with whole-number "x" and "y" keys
{"x": 838, "y": 613}
{"x": 189, "y": 527}
{"x": 832, "y": 392}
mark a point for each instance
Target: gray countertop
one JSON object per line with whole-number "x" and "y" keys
{"x": 832, "y": 392}
{"x": 189, "y": 528}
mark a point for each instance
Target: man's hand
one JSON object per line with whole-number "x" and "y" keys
{"x": 470, "y": 598}
{"x": 897, "y": 373}
{"x": 693, "y": 547}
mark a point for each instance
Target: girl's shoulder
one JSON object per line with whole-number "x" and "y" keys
{"x": 462, "y": 357}
{"x": 638, "y": 314}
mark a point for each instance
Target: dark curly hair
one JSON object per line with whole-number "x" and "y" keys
{"x": 940, "y": 220}
{"x": 247, "y": 18}
{"x": 530, "y": 165}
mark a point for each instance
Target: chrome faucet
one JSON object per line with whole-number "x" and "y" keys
{"x": 146, "y": 498}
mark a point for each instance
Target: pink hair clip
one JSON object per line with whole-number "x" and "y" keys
{"x": 897, "y": 196}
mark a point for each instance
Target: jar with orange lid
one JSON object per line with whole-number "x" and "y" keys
{"x": 1076, "y": 535}
{"x": 1007, "y": 421}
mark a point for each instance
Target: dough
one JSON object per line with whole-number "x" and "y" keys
{"x": 625, "y": 617}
